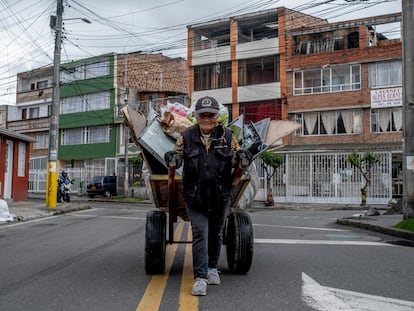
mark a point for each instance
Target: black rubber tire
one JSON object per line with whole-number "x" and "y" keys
{"x": 239, "y": 242}
{"x": 155, "y": 242}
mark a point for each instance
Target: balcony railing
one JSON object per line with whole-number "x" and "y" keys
{"x": 29, "y": 124}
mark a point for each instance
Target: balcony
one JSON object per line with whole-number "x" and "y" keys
{"x": 29, "y": 125}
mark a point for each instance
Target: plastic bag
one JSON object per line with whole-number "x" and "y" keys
{"x": 177, "y": 108}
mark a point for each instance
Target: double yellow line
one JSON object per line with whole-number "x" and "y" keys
{"x": 151, "y": 300}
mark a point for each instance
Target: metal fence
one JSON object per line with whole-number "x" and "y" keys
{"x": 328, "y": 178}
{"x": 80, "y": 176}
{"x": 303, "y": 178}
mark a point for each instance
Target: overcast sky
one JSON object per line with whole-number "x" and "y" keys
{"x": 135, "y": 25}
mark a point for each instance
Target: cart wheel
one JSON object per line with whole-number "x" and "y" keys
{"x": 239, "y": 242}
{"x": 155, "y": 242}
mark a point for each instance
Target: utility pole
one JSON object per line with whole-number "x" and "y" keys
{"x": 126, "y": 130}
{"x": 53, "y": 165}
{"x": 408, "y": 106}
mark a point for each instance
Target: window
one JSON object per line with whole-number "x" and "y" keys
{"x": 86, "y": 135}
{"x": 258, "y": 70}
{"x": 326, "y": 80}
{"x": 39, "y": 163}
{"x": 320, "y": 45}
{"x": 386, "y": 120}
{"x": 213, "y": 76}
{"x": 42, "y": 141}
{"x": 22, "y": 160}
{"x": 385, "y": 74}
{"x": 33, "y": 112}
{"x": 85, "y": 71}
{"x": 95, "y": 70}
{"x": 72, "y": 136}
{"x": 332, "y": 122}
{"x": 259, "y": 110}
{"x": 42, "y": 84}
{"x": 88, "y": 102}
{"x": 98, "y": 134}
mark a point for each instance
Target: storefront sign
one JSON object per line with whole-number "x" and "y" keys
{"x": 383, "y": 98}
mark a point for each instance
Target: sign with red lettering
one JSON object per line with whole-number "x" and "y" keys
{"x": 383, "y": 98}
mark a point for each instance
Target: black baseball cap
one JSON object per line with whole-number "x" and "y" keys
{"x": 207, "y": 104}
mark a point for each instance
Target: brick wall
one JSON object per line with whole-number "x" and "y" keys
{"x": 364, "y": 54}
{"x": 294, "y": 19}
{"x": 153, "y": 73}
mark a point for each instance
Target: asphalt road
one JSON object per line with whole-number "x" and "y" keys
{"x": 94, "y": 260}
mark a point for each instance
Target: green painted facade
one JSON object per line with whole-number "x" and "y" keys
{"x": 90, "y": 118}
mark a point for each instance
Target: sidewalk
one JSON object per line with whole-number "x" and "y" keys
{"x": 36, "y": 208}
{"x": 381, "y": 223}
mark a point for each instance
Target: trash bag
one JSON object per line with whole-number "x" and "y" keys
{"x": 4, "y": 211}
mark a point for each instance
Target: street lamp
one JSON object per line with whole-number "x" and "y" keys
{"x": 52, "y": 166}
{"x": 85, "y": 20}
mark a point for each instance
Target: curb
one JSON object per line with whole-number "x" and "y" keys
{"x": 45, "y": 212}
{"x": 68, "y": 209}
{"x": 408, "y": 235}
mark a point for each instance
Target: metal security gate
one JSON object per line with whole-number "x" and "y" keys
{"x": 38, "y": 177}
{"x": 329, "y": 178}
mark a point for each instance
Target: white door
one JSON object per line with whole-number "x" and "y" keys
{"x": 8, "y": 173}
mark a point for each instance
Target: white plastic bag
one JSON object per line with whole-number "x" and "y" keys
{"x": 4, "y": 211}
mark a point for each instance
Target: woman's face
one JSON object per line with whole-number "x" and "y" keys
{"x": 207, "y": 122}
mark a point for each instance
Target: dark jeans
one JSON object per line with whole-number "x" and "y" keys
{"x": 207, "y": 228}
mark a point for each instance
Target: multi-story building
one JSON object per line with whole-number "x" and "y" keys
{"x": 31, "y": 113}
{"x": 239, "y": 61}
{"x": 92, "y": 93}
{"x": 344, "y": 86}
{"x": 340, "y": 81}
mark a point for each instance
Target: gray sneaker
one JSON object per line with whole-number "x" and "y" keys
{"x": 213, "y": 277}
{"x": 199, "y": 287}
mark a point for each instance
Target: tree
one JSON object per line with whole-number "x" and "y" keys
{"x": 270, "y": 162}
{"x": 364, "y": 164}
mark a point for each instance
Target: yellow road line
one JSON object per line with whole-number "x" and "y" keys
{"x": 151, "y": 299}
{"x": 187, "y": 301}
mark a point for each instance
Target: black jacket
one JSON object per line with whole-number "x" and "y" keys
{"x": 206, "y": 173}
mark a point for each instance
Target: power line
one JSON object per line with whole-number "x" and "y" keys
{"x": 169, "y": 39}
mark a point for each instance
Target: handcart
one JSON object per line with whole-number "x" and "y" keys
{"x": 167, "y": 192}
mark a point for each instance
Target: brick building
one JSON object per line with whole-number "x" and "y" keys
{"x": 14, "y": 165}
{"x": 340, "y": 81}
{"x": 344, "y": 86}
